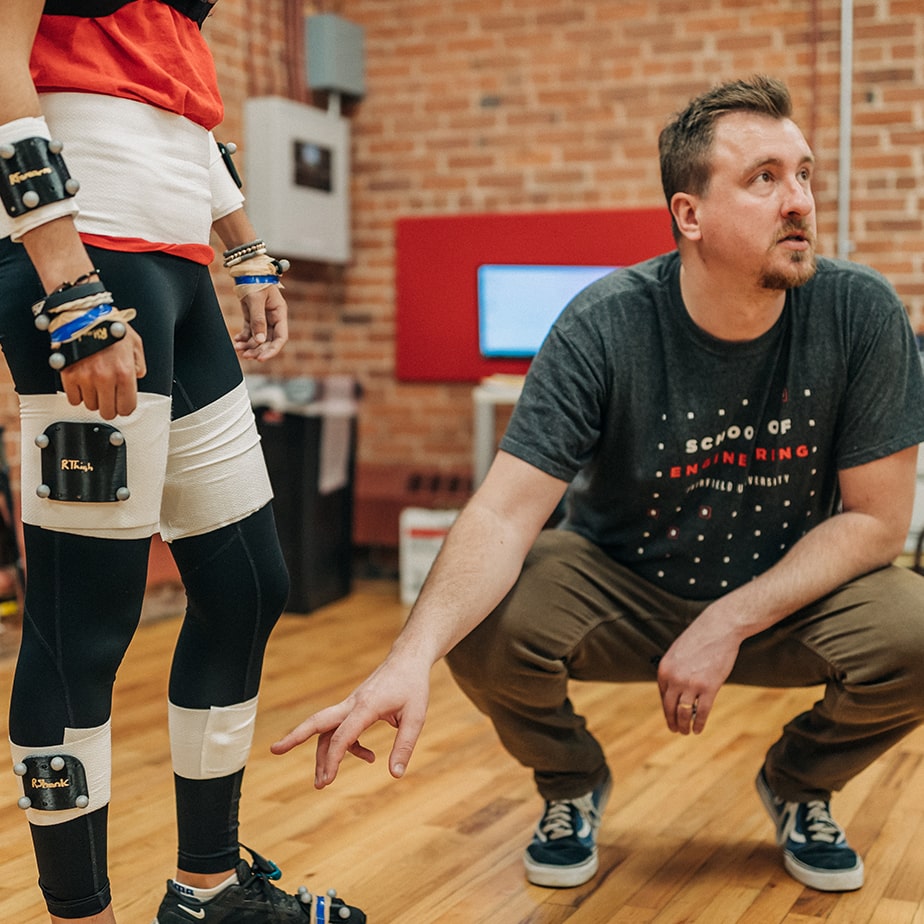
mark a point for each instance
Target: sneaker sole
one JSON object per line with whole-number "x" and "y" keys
{"x": 561, "y": 877}
{"x": 841, "y": 880}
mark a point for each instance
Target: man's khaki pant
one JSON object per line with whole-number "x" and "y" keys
{"x": 576, "y": 614}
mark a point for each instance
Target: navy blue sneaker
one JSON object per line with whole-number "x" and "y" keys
{"x": 563, "y": 851}
{"x": 815, "y": 850}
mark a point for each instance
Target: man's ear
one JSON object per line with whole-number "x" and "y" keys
{"x": 684, "y": 209}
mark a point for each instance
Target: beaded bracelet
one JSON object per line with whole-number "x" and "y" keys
{"x": 78, "y": 281}
{"x": 243, "y": 252}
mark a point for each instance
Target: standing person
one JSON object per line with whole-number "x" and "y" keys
{"x": 738, "y": 423}
{"x": 134, "y": 418}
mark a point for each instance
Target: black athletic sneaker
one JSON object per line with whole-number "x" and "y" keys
{"x": 255, "y": 900}
{"x": 815, "y": 849}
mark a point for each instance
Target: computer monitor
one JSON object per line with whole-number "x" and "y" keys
{"x": 519, "y": 303}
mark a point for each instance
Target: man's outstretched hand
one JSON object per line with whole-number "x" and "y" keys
{"x": 397, "y": 692}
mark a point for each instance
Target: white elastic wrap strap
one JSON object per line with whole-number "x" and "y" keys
{"x": 10, "y": 133}
{"x": 226, "y": 197}
{"x": 143, "y": 171}
{"x": 146, "y": 431}
{"x": 206, "y": 744}
{"x": 215, "y": 474}
{"x": 93, "y": 748}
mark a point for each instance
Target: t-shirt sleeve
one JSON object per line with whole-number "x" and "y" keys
{"x": 883, "y": 407}
{"x": 556, "y": 423}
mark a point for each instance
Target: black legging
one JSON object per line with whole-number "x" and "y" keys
{"x": 83, "y": 595}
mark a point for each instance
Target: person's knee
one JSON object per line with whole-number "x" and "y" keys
{"x": 886, "y": 648}
{"x": 235, "y": 577}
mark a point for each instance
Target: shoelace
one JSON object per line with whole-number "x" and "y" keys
{"x": 556, "y": 823}
{"x": 820, "y": 827}
{"x": 820, "y": 824}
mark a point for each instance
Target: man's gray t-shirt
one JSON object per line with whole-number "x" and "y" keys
{"x": 698, "y": 462}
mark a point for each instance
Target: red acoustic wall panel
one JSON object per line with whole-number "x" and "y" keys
{"x": 437, "y": 266}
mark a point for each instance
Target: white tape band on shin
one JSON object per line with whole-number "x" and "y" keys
{"x": 146, "y": 433}
{"x": 93, "y": 748}
{"x": 215, "y": 474}
{"x": 209, "y": 743}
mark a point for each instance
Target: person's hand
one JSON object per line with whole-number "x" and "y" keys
{"x": 266, "y": 327}
{"x": 692, "y": 672}
{"x": 396, "y": 693}
{"x": 107, "y": 381}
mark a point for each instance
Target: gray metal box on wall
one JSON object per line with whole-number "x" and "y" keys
{"x": 334, "y": 50}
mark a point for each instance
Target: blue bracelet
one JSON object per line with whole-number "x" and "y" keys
{"x": 68, "y": 331}
{"x": 252, "y": 280}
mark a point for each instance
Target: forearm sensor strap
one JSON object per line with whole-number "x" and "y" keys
{"x": 33, "y": 174}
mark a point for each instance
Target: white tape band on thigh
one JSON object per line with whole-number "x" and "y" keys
{"x": 93, "y": 748}
{"x": 209, "y": 743}
{"x": 146, "y": 433}
{"x": 215, "y": 472}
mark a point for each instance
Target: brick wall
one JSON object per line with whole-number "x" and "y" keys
{"x": 518, "y": 105}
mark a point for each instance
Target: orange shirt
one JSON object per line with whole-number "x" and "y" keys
{"x": 145, "y": 51}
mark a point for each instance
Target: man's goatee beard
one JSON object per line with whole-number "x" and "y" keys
{"x": 803, "y": 268}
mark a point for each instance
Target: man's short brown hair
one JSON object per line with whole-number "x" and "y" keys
{"x": 685, "y": 142}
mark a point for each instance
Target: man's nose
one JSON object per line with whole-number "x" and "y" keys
{"x": 799, "y": 199}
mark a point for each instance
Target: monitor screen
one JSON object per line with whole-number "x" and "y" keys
{"x": 518, "y": 303}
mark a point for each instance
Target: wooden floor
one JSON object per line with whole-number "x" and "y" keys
{"x": 684, "y": 840}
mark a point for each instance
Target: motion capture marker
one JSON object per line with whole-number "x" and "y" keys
{"x": 72, "y": 186}
{"x": 21, "y": 769}
{"x": 55, "y": 146}
{"x": 43, "y": 491}
{"x": 7, "y": 151}
{"x": 343, "y": 913}
{"x": 57, "y": 763}
{"x": 231, "y": 147}
{"x": 42, "y": 440}
{"x": 42, "y": 321}
{"x": 116, "y": 438}
{"x": 303, "y": 895}
{"x": 56, "y": 361}
{"x": 123, "y": 494}
{"x": 31, "y": 199}
{"x": 82, "y": 801}
{"x": 117, "y": 329}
